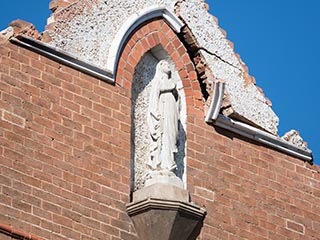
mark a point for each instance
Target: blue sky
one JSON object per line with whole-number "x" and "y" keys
{"x": 278, "y": 41}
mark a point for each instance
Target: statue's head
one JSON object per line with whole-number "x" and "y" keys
{"x": 164, "y": 67}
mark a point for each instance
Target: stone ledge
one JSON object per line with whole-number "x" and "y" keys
{"x": 166, "y": 219}
{"x": 161, "y": 204}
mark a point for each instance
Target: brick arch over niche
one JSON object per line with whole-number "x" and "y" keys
{"x": 151, "y": 37}
{"x": 148, "y": 36}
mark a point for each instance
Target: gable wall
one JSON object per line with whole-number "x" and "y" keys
{"x": 65, "y": 155}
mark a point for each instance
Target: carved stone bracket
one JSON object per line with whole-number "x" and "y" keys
{"x": 166, "y": 219}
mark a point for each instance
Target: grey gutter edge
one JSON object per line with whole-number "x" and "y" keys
{"x": 62, "y": 57}
{"x": 243, "y": 129}
{"x": 216, "y": 101}
{"x": 262, "y": 137}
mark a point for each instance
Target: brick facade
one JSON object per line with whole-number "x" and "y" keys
{"x": 65, "y": 156}
{"x": 65, "y": 150}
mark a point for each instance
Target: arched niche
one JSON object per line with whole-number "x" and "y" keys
{"x": 140, "y": 139}
{"x": 131, "y": 24}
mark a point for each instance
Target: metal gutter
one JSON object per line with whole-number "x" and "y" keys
{"x": 243, "y": 129}
{"x": 262, "y": 137}
{"x": 216, "y": 101}
{"x": 62, "y": 57}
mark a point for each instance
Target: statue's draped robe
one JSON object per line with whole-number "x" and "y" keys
{"x": 163, "y": 121}
{"x": 168, "y": 123}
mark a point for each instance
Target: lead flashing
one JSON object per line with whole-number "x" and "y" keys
{"x": 62, "y": 57}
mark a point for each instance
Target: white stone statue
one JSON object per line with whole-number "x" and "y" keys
{"x": 163, "y": 117}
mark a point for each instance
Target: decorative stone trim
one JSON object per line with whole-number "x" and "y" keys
{"x": 164, "y": 204}
{"x": 293, "y": 137}
{"x": 6, "y": 34}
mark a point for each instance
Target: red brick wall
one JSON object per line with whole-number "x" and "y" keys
{"x": 64, "y": 150}
{"x": 65, "y": 155}
{"x": 250, "y": 191}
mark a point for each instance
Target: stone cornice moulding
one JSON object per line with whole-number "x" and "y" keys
{"x": 131, "y": 24}
{"x": 134, "y": 208}
{"x": 245, "y": 130}
{"x": 62, "y": 57}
